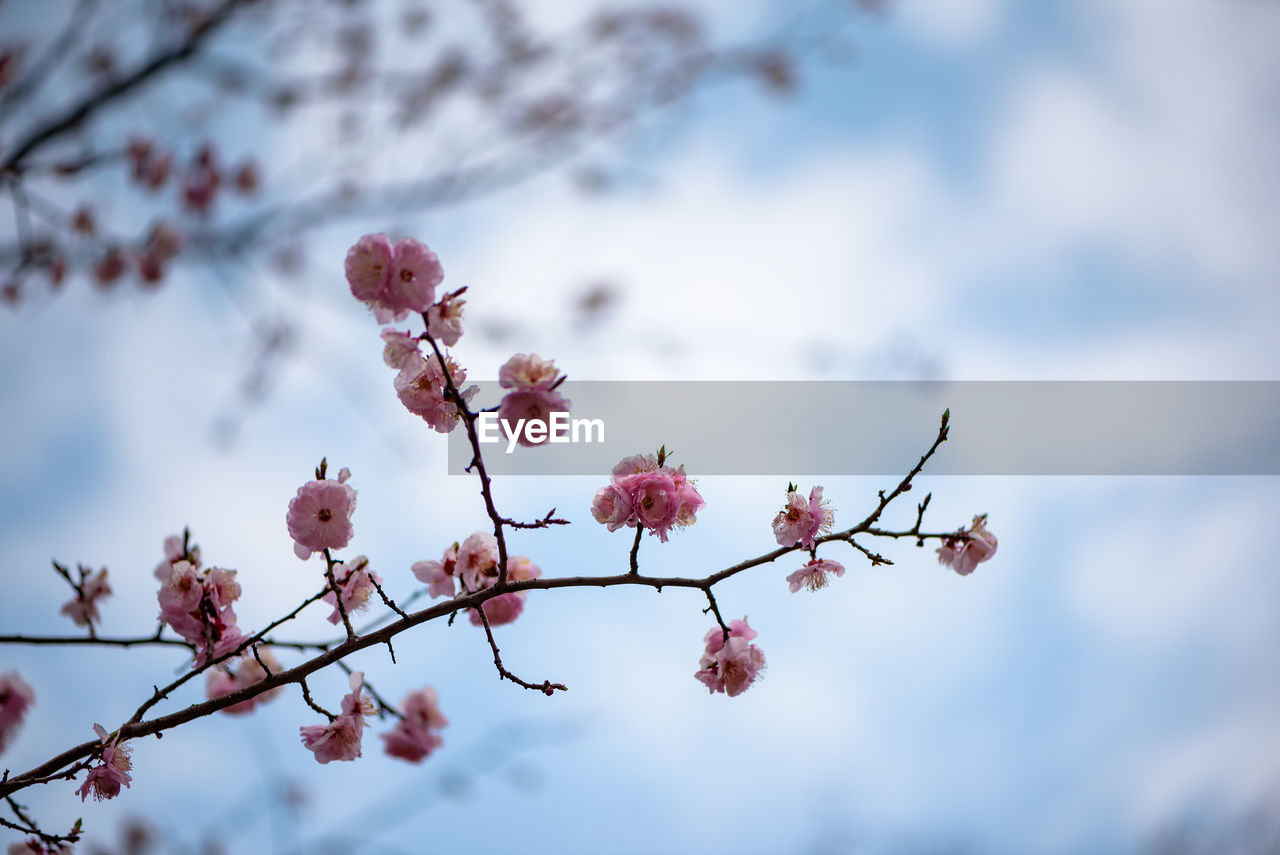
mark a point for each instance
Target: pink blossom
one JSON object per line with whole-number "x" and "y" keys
{"x": 393, "y": 281}
{"x": 16, "y": 698}
{"x": 611, "y": 507}
{"x": 239, "y": 674}
{"x": 105, "y": 779}
{"x": 319, "y": 517}
{"x": 505, "y": 608}
{"x": 444, "y": 319}
{"x": 173, "y": 553}
{"x": 438, "y": 575}
{"x": 33, "y": 846}
{"x": 421, "y": 386}
{"x": 478, "y": 561}
{"x": 356, "y": 585}
{"x": 368, "y": 267}
{"x": 83, "y": 608}
{"x": 962, "y": 553}
{"x": 799, "y": 522}
{"x": 198, "y": 606}
{"x": 401, "y": 349}
{"x": 645, "y": 493}
{"x": 415, "y": 736}
{"x": 532, "y": 381}
{"x": 730, "y": 666}
{"x": 340, "y": 738}
{"x": 814, "y": 574}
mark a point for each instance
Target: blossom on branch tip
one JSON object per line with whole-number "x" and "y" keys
{"x": 444, "y": 319}
{"x": 174, "y": 552}
{"x": 16, "y": 697}
{"x": 105, "y": 780}
{"x": 393, "y": 281}
{"x": 533, "y": 396}
{"x": 319, "y": 517}
{"x": 732, "y": 665}
{"x": 800, "y": 521}
{"x": 340, "y": 738}
{"x": 658, "y": 498}
{"x": 241, "y": 673}
{"x": 969, "y": 548}
{"x": 814, "y": 574}
{"x": 416, "y": 736}
{"x": 83, "y": 607}
{"x": 356, "y": 584}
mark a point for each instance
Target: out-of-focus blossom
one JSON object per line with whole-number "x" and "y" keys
{"x": 16, "y": 697}
{"x": 83, "y": 608}
{"x": 400, "y": 348}
{"x": 417, "y": 734}
{"x": 505, "y": 608}
{"x": 393, "y": 280}
{"x": 241, "y": 673}
{"x": 444, "y": 319}
{"x": 969, "y": 548}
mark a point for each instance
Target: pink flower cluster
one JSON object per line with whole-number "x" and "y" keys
{"x": 83, "y": 607}
{"x": 239, "y": 674}
{"x": 177, "y": 549}
{"x": 417, "y": 734}
{"x": 105, "y": 779}
{"x": 422, "y": 387}
{"x": 319, "y": 516}
{"x": 340, "y": 738}
{"x": 800, "y": 521}
{"x": 196, "y": 604}
{"x": 16, "y": 698}
{"x": 393, "y": 280}
{"x": 533, "y": 396}
{"x": 647, "y": 493}
{"x": 969, "y": 548}
{"x": 356, "y": 584}
{"x": 474, "y": 565}
{"x": 814, "y": 574}
{"x": 730, "y": 666}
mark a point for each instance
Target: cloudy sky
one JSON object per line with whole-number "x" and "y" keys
{"x": 991, "y": 190}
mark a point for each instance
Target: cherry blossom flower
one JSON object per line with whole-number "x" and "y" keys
{"x": 319, "y": 517}
{"x": 241, "y": 673}
{"x": 962, "y": 553}
{"x": 532, "y": 381}
{"x": 421, "y": 386}
{"x": 198, "y": 606}
{"x": 814, "y": 574}
{"x": 611, "y": 507}
{"x": 16, "y": 697}
{"x": 477, "y": 565}
{"x": 416, "y": 736}
{"x": 356, "y": 584}
{"x": 730, "y": 666}
{"x": 439, "y": 575}
{"x": 393, "y": 281}
{"x": 505, "y": 608}
{"x": 174, "y": 552}
{"x": 646, "y": 493}
{"x": 799, "y": 522}
{"x": 33, "y": 846}
{"x": 401, "y": 349}
{"x": 340, "y": 738}
{"x": 444, "y": 319}
{"x": 83, "y": 607}
{"x": 105, "y": 779}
